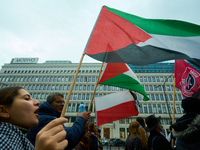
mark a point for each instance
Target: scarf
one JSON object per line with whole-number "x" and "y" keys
{"x": 11, "y": 138}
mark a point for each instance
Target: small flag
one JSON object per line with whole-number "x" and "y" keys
{"x": 114, "y": 106}
{"x": 187, "y": 78}
{"x": 120, "y": 75}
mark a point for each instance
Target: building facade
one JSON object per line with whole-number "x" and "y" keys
{"x": 41, "y": 79}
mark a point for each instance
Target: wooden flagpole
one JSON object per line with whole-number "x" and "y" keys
{"x": 173, "y": 117}
{"x": 95, "y": 87}
{"x": 71, "y": 87}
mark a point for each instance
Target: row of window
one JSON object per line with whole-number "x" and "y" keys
{"x": 76, "y": 87}
{"x": 158, "y": 88}
{"x": 47, "y": 79}
{"x": 161, "y": 97}
{"x": 69, "y": 79}
{"x": 129, "y": 120}
{"x": 156, "y": 79}
{"x": 159, "y": 108}
{"x": 50, "y": 71}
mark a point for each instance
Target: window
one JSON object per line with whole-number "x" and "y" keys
{"x": 170, "y": 97}
{"x": 77, "y": 79}
{"x": 83, "y": 96}
{"x": 88, "y": 87}
{"x": 79, "y": 96}
{"x": 51, "y": 79}
{"x": 109, "y": 88}
{"x": 140, "y": 108}
{"x": 159, "y": 109}
{"x": 151, "y": 87}
{"x": 154, "y": 108}
{"x": 145, "y": 79}
{"x": 149, "y": 79}
{"x": 75, "y": 96}
{"x": 60, "y": 88}
{"x": 168, "y": 89}
{"x": 36, "y": 79}
{"x": 178, "y": 109}
{"x": 33, "y": 87}
{"x": 153, "y": 78}
{"x": 159, "y": 87}
{"x": 49, "y": 87}
{"x": 93, "y": 79}
{"x": 92, "y": 87}
{"x": 37, "y": 87}
{"x": 69, "y": 107}
{"x": 146, "y": 87}
{"x": 56, "y": 87}
{"x": 161, "y": 97}
{"x": 89, "y": 79}
{"x": 155, "y": 88}
{"x": 150, "y": 108}
{"x": 70, "y": 79}
{"x": 164, "y": 109}
{"x": 76, "y": 87}
{"x": 141, "y": 79}
{"x": 53, "y": 87}
{"x": 88, "y": 96}
{"x": 84, "y": 87}
{"x": 161, "y": 79}
{"x": 157, "y": 79}
{"x": 152, "y": 97}
{"x": 157, "y": 97}
{"x": 45, "y": 87}
{"x": 145, "y": 108}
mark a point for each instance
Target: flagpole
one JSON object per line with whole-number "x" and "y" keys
{"x": 95, "y": 87}
{"x": 71, "y": 87}
{"x": 173, "y": 117}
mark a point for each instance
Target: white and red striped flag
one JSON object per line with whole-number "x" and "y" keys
{"x": 115, "y": 106}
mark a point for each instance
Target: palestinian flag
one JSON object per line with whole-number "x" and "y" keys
{"x": 120, "y": 37}
{"x": 120, "y": 75}
{"x": 114, "y": 106}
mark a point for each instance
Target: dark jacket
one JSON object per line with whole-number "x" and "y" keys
{"x": 47, "y": 114}
{"x": 93, "y": 142}
{"x": 159, "y": 142}
{"x": 133, "y": 143}
{"x": 187, "y": 132}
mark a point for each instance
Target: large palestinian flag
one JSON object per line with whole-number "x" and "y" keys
{"x": 120, "y": 75}
{"x": 122, "y": 37}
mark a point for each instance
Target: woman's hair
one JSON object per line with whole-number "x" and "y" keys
{"x": 8, "y": 94}
{"x": 141, "y": 121}
{"x": 91, "y": 126}
{"x": 134, "y": 128}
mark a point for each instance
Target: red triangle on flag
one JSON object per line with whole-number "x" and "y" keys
{"x": 112, "y": 70}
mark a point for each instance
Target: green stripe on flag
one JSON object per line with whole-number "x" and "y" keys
{"x": 161, "y": 26}
{"x": 127, "y": 83}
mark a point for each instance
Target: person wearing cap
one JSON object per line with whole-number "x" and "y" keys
{"x": 187, "y": 128}
{"x": 156, "y": 140}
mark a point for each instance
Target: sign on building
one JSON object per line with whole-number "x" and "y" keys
{"x": 24, "y": 60}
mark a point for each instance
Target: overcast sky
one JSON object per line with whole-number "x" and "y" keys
{"x": 59, "y": 29}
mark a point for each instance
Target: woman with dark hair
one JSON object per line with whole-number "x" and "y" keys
{"x": 93, "y": 136}
{"x": 18, "y": 113}
{"x": 133, "y": 141}
{"x": 143, "y": 134}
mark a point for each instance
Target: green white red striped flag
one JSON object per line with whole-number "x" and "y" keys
{"x": 119, "y": 37}
{"x": 120, "y": 75}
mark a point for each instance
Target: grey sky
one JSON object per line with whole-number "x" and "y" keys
{"x": 59, "y": 29}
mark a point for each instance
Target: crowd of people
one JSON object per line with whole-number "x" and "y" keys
{"x": 27, "y": 124}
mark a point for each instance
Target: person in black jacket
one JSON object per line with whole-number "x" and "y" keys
{"x": 51, "y": 110}
{"x": 156, "y": 140}
{"x": 133, "y": 141}
{"x": 187, "y": 128}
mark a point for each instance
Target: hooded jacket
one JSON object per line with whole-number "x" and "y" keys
{"x": 47, "y": 114}
{"x": 187, "y": 132}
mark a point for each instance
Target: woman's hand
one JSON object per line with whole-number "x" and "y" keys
{"x": 52, "y": 136}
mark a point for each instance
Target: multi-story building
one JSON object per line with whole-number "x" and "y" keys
{"x": 41, "y": 79}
